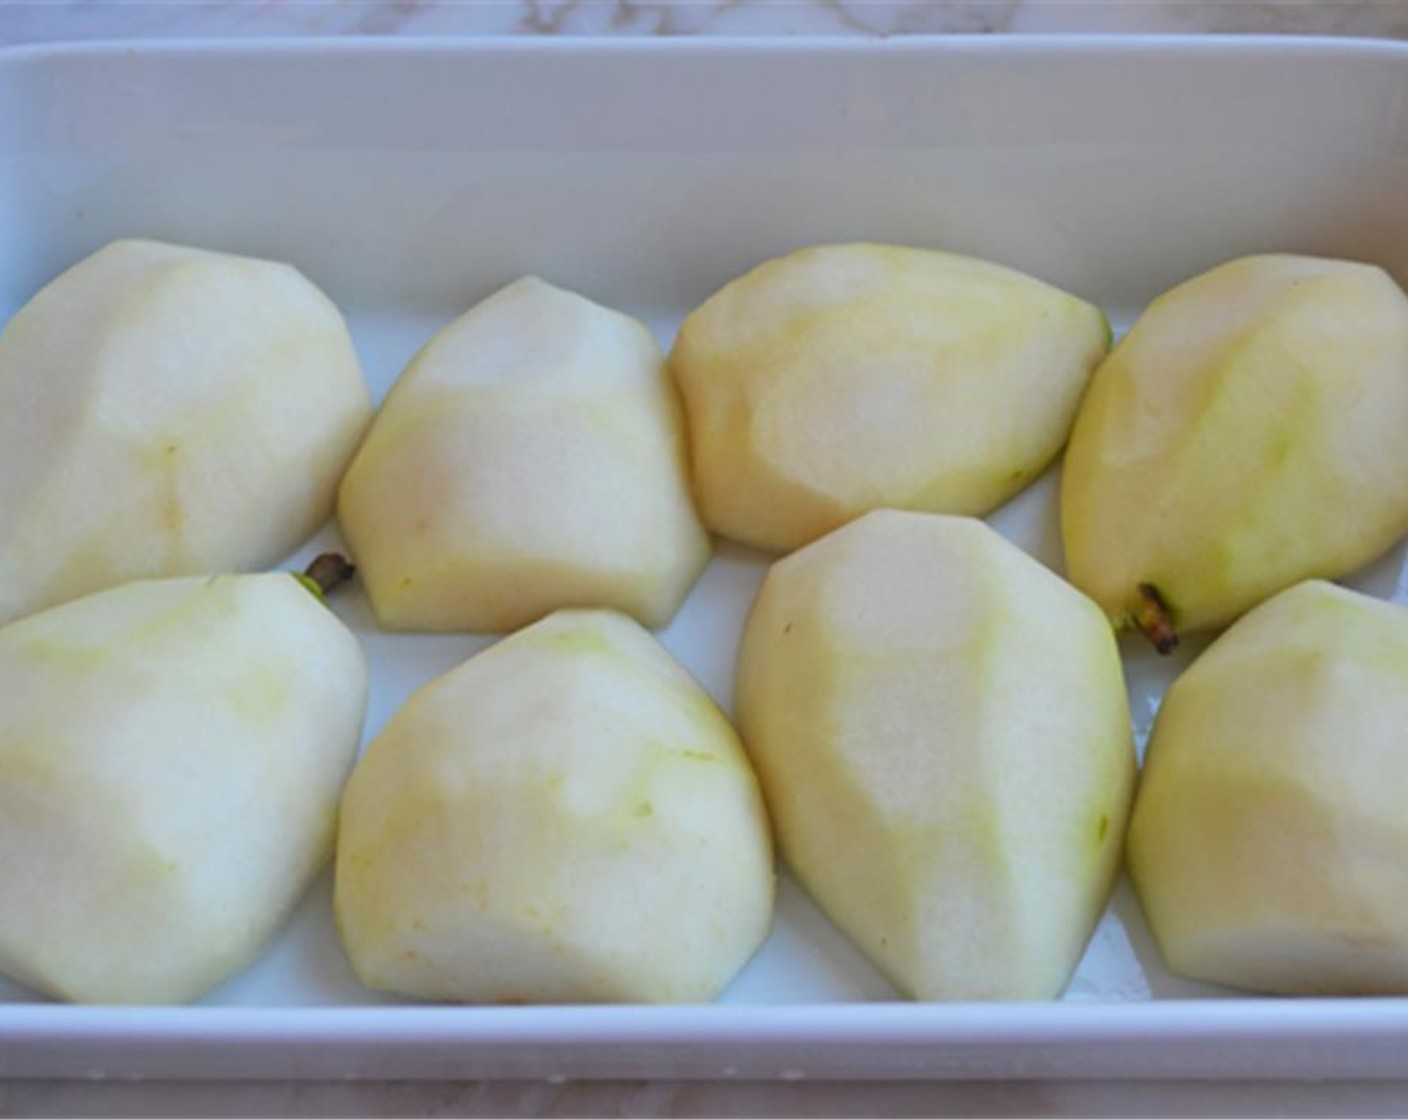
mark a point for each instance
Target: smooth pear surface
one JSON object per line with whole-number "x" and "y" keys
{"x": 1269, "y": 843}
{"x": 942, "y": 734}
{"x": 531, "y": 457}
{"x": 844, "y": 378}
{"x": 567, "y": 818}
{"x": 168, "y": 411}
{"x": 171, "y": 757}
{"x": 1249, "y": 432}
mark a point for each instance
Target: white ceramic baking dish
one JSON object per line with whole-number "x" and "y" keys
{"x": 410, "y": 179}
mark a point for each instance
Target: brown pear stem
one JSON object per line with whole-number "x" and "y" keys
{"x": 1151, "y": 616}
{"x": 329, "y": 571}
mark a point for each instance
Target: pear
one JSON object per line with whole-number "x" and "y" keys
{"x": 1269, "y": 843}
{"x": 941, "y": 730}
{"x": 566, "y": 817}
{"x": 168, "y": 411}
{"x": 171, "y": 757}
{"x": 1249, "y": 432}
{"x": 531, "y": 457}
{"x": 843, "y": 378}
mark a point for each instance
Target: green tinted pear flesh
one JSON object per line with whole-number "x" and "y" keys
{"x": 531, "y": 457}
{"x": 1269, "y": 843}
{"x": 941, "y": 728}
{"x": 566, "y": 817}
{"x": 1250, "y": 431}
{"x": 168, "y": 411}
{"x": 845, "y": 378}
{"x": 171, "y": 757}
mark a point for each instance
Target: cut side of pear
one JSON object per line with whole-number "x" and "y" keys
{"x": 530, "y": 458}
{"x": 168, "y": 411}
{"x": 567, "y": 818}
{"x": 844, "y": 378}
{"x": 1269, "y": 842}
{"x": 171, "y": 757}
{"x": 1249, "y": 432}
{"x": 942, "y": 733}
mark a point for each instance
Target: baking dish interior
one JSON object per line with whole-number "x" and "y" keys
{"x": 410, "y": 180}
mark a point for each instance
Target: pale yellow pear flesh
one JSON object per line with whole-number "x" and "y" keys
{"x": 844, "y": 378}
{"x": 942, "y": 733}
{"x": 171, "y": 757}
{"x": 1249, "y": 432}
{"x": 1269, "y": 842}
{"x": 168, "y": 411}
{"x": 566, "y": 817}
{"x": 530, "y": 458}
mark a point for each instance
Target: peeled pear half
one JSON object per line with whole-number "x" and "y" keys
{"x": 565, "y": 818}
{"x": 942, "y": 734}
{"x": 530, "y": 458}
{"x": 171, "y": 757}
{"x": 168, "y": 411}
{"x": 844, "y": 378}
{"x": 1250, "y": 431}
{"x": 1269, "y": 842}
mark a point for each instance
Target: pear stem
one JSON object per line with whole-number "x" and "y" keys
{"x": 1151, "y": 616}
{"x": 329, "y": 571}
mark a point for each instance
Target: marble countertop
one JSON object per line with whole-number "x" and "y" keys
{"x": 682, "y": 1099}
{"x": 50, "y": 20}
{"x": 68, "y": 20}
